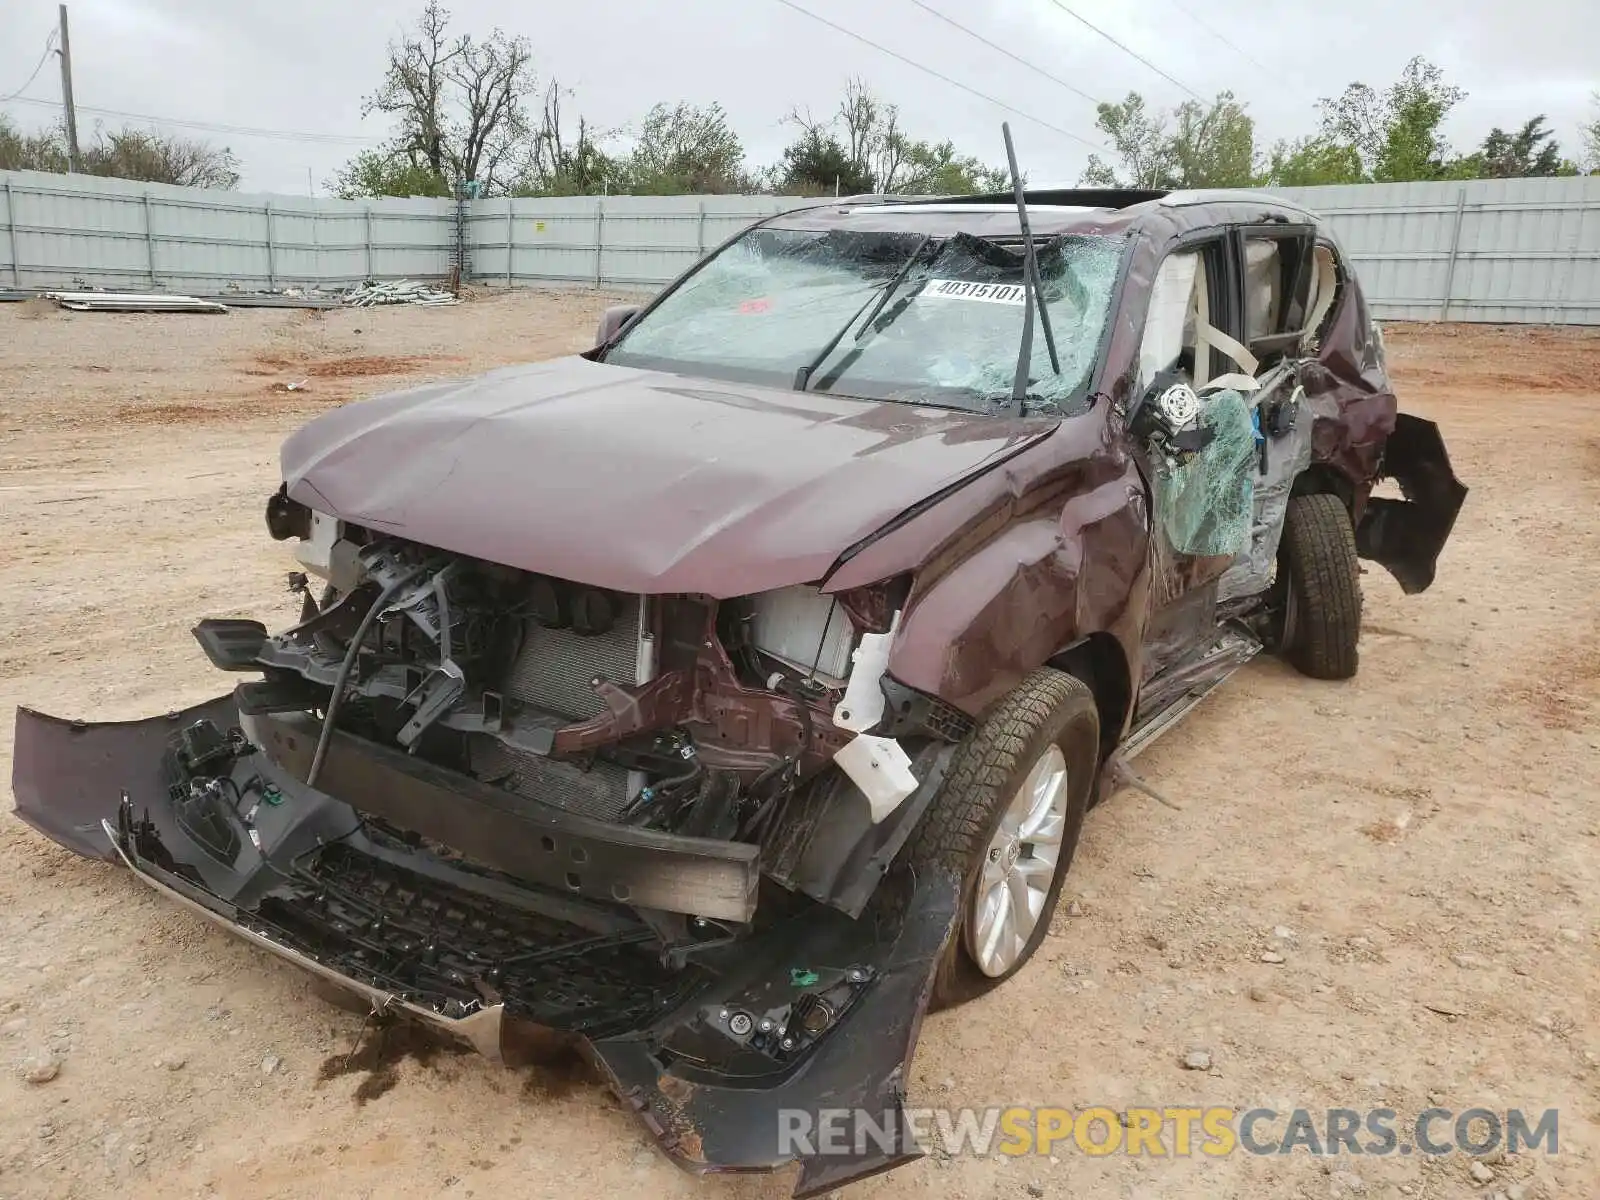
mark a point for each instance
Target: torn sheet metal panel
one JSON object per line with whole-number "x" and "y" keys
{"x": 133, "y": 302}
{"x": 1348, "y": 386}
{"x": 1406, "y": 536}
{"x": 274, "y": 300}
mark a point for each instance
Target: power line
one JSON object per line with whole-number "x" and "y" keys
{"x": 1073, "y": 88}
{"x": 1195, "y": 17}
{"x": 49, "y": 43}
{"x": 1132, "y": 53}
{"x": 287, "y": 135}
{"x": 955, "y": 83}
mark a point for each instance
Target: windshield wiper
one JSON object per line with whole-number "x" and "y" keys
{"x": 802, "y": 377}
{"x": 1033, "y": 290}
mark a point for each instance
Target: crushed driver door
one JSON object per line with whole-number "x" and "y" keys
{"x": 1193, "y": 435}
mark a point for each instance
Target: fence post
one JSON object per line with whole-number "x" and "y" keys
{"x": 700, "y": 233}
{"x": 1455, "y": 249}
{"x": 599, "y": 239}
{"x": 510, "y": 244}
{"x": 272, "y": 277}
{"x": 149, "y": 241}
{"x": 366, "y": 216}
{"x": 11, "y": 230}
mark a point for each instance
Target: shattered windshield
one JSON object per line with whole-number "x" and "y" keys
{"x": 885, "y": 316}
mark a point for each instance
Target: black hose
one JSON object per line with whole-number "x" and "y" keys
{"x": 788, "y": 765}
{"x": 666, "y": 789}
{"x": 339, "y": 680}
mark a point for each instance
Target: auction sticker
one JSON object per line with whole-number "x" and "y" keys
{"x": 967, "y": 289}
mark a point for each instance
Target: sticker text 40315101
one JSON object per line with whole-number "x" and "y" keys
{"x": 967, "y": 289}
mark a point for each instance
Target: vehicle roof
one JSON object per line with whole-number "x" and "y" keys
{"x": 1051, "y": 211}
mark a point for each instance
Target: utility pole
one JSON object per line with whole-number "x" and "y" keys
{"x": 66, "y": 94}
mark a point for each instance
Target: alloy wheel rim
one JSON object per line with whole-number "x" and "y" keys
{"x": 1019, "y": 867}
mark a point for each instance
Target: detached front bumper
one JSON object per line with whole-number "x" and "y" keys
{"x": 723, "y": 1055}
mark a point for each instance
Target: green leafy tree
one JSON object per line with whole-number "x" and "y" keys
{"x": 1529, "y": 152}
{"x": 1214, "y": 145}
{"x": 45, "y": 151}
{"x": 1140, "y": 140}
{"x": 1196, "y": 145}
{"x": 939, "y": 170}
{"x": 817, "y": 164}
{"x": 683, "y": 149}
{"x": 1310, "y": 162}
{"x": 1396, "y": 132}
{"x": 386, "y": 173}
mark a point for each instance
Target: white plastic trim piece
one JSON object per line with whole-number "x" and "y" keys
{"x": 862, "y": 706}
{"x": 315, "y": 553}
{"x": 881, "y": 769}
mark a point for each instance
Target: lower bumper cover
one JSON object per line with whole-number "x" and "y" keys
{"x": 723, "y": 1062}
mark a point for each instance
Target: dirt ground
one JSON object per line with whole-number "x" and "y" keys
{"x": 1420, "y": 847}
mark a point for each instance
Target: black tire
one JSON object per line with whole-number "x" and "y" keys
{"x": 1048, "y": 707}
{"x": 1321, "y": 597}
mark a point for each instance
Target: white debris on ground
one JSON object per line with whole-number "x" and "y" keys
{"x": 397, "y": 291}
{"x": 133, "y": 302}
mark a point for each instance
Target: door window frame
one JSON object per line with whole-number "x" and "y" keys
{"x": 1296, "y": 251}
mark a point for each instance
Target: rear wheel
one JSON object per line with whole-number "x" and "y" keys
{"x": 1007, "y": 821}
{"x": 1319, "y": 588}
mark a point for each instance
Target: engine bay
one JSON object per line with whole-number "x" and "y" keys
{"x": 678, "y": 713}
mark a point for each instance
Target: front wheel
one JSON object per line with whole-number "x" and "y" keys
{"x": 1007, "y": 821}
{"x": 1318, "y": 589}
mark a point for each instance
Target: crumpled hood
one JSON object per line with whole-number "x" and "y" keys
{"x": 637, "y": 480}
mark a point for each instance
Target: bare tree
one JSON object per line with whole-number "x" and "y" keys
{"x": 1591, "y": 135}
{"x": 141, "y": 154}
{"x": 413, "y": 90}
{"x": 863, "y": 148}
{"x": 459, "y": 101}
{"x": 493, "y": 78}
{"x": 553, "y": 162}
{"x": 123, "y": 154}
{"x": 864, "y": 118}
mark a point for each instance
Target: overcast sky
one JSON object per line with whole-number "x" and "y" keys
{"x": 302, "y": 66}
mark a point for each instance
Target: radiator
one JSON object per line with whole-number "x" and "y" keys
{"x": 554, "y": 670}
{"x": 553, "y": 673}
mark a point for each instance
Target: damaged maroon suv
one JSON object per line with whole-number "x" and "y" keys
{"x": 724, "y": 696}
